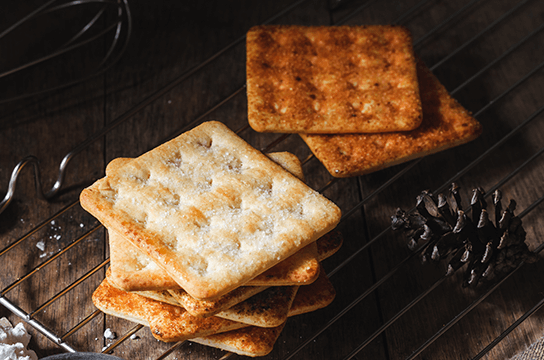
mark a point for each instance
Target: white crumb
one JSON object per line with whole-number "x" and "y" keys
{"x": 14, "y": 342}
{"x": 110, "y": 335}
{"x": 40, "y": 245}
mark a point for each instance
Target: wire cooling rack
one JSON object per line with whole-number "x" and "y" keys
{"x": 108, "y": 23}
{"x": 515, "y": 148}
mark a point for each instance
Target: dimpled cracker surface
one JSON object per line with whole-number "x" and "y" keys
{"x": 132, "y": 270}
{"x": 331, "y": 79}
{"x": 445, "y": 124}
{"x": 210, "y": 209}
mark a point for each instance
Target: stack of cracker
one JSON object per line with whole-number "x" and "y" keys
{"x": 357, "y": 95}
{"x": 212, "y": 241}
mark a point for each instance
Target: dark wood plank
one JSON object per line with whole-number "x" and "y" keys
{"x": 442, "y": 304}
{"x": 49, "y": 126}
{"x": 172, "y": 38}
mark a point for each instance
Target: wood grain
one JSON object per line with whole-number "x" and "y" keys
{"x": 185, "y": 64}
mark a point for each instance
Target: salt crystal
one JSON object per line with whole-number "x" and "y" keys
{"x": 108, "y": 334}
{"x": 13, "y": 342}
{"x": 40, "y": 245}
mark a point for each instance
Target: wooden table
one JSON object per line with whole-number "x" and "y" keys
{"x": 184, "y": 64}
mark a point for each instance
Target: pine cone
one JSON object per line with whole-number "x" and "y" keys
{"x": 440, "y": 229}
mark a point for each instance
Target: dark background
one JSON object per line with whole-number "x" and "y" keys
{"x": 184, "y": 64}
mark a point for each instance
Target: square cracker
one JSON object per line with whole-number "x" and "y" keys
{"x": 210, "y": 209}
{"x": 446, "y": 124}
{"x": 331, "y": 79}
{"x": 131, "y": 270}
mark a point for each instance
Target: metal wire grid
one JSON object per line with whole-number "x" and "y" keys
{"x": 62, "y": 339}
{"x": 119, "y": 29}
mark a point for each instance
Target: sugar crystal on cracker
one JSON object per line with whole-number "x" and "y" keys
{"x": 215, "y": 238}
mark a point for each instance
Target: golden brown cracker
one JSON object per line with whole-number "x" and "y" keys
{"x": 205, "y": 308}
{"x": 446, "y": 124}
{"x": 259, "y": 341}
{"x": 331, "y": 79}
{"x": 131, "y": 270}
{"x": 210, "y": 209}
{"x": 167, "y": 322}
{"x": 312, "y": 297}
{"x": 250, "y": 341}
{"x": 268, "y": 308}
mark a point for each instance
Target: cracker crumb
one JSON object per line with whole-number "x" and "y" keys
{"x": 14, "y": 342}
{"x": 41, "y": 245}
{"x": 110, "y": 335}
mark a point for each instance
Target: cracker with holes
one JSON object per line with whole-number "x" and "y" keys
{"x": 331, "y": 79}
{"x": 131, "y": 270}
{"x": 210, "y": 210}
{"x": 446, "y": 124}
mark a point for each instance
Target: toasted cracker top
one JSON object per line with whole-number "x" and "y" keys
{"x": 331, "y": 79}
{"x": 131, "y": 270}
{"x": 210, "y": 209}
{"x": 445, "y": 124}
